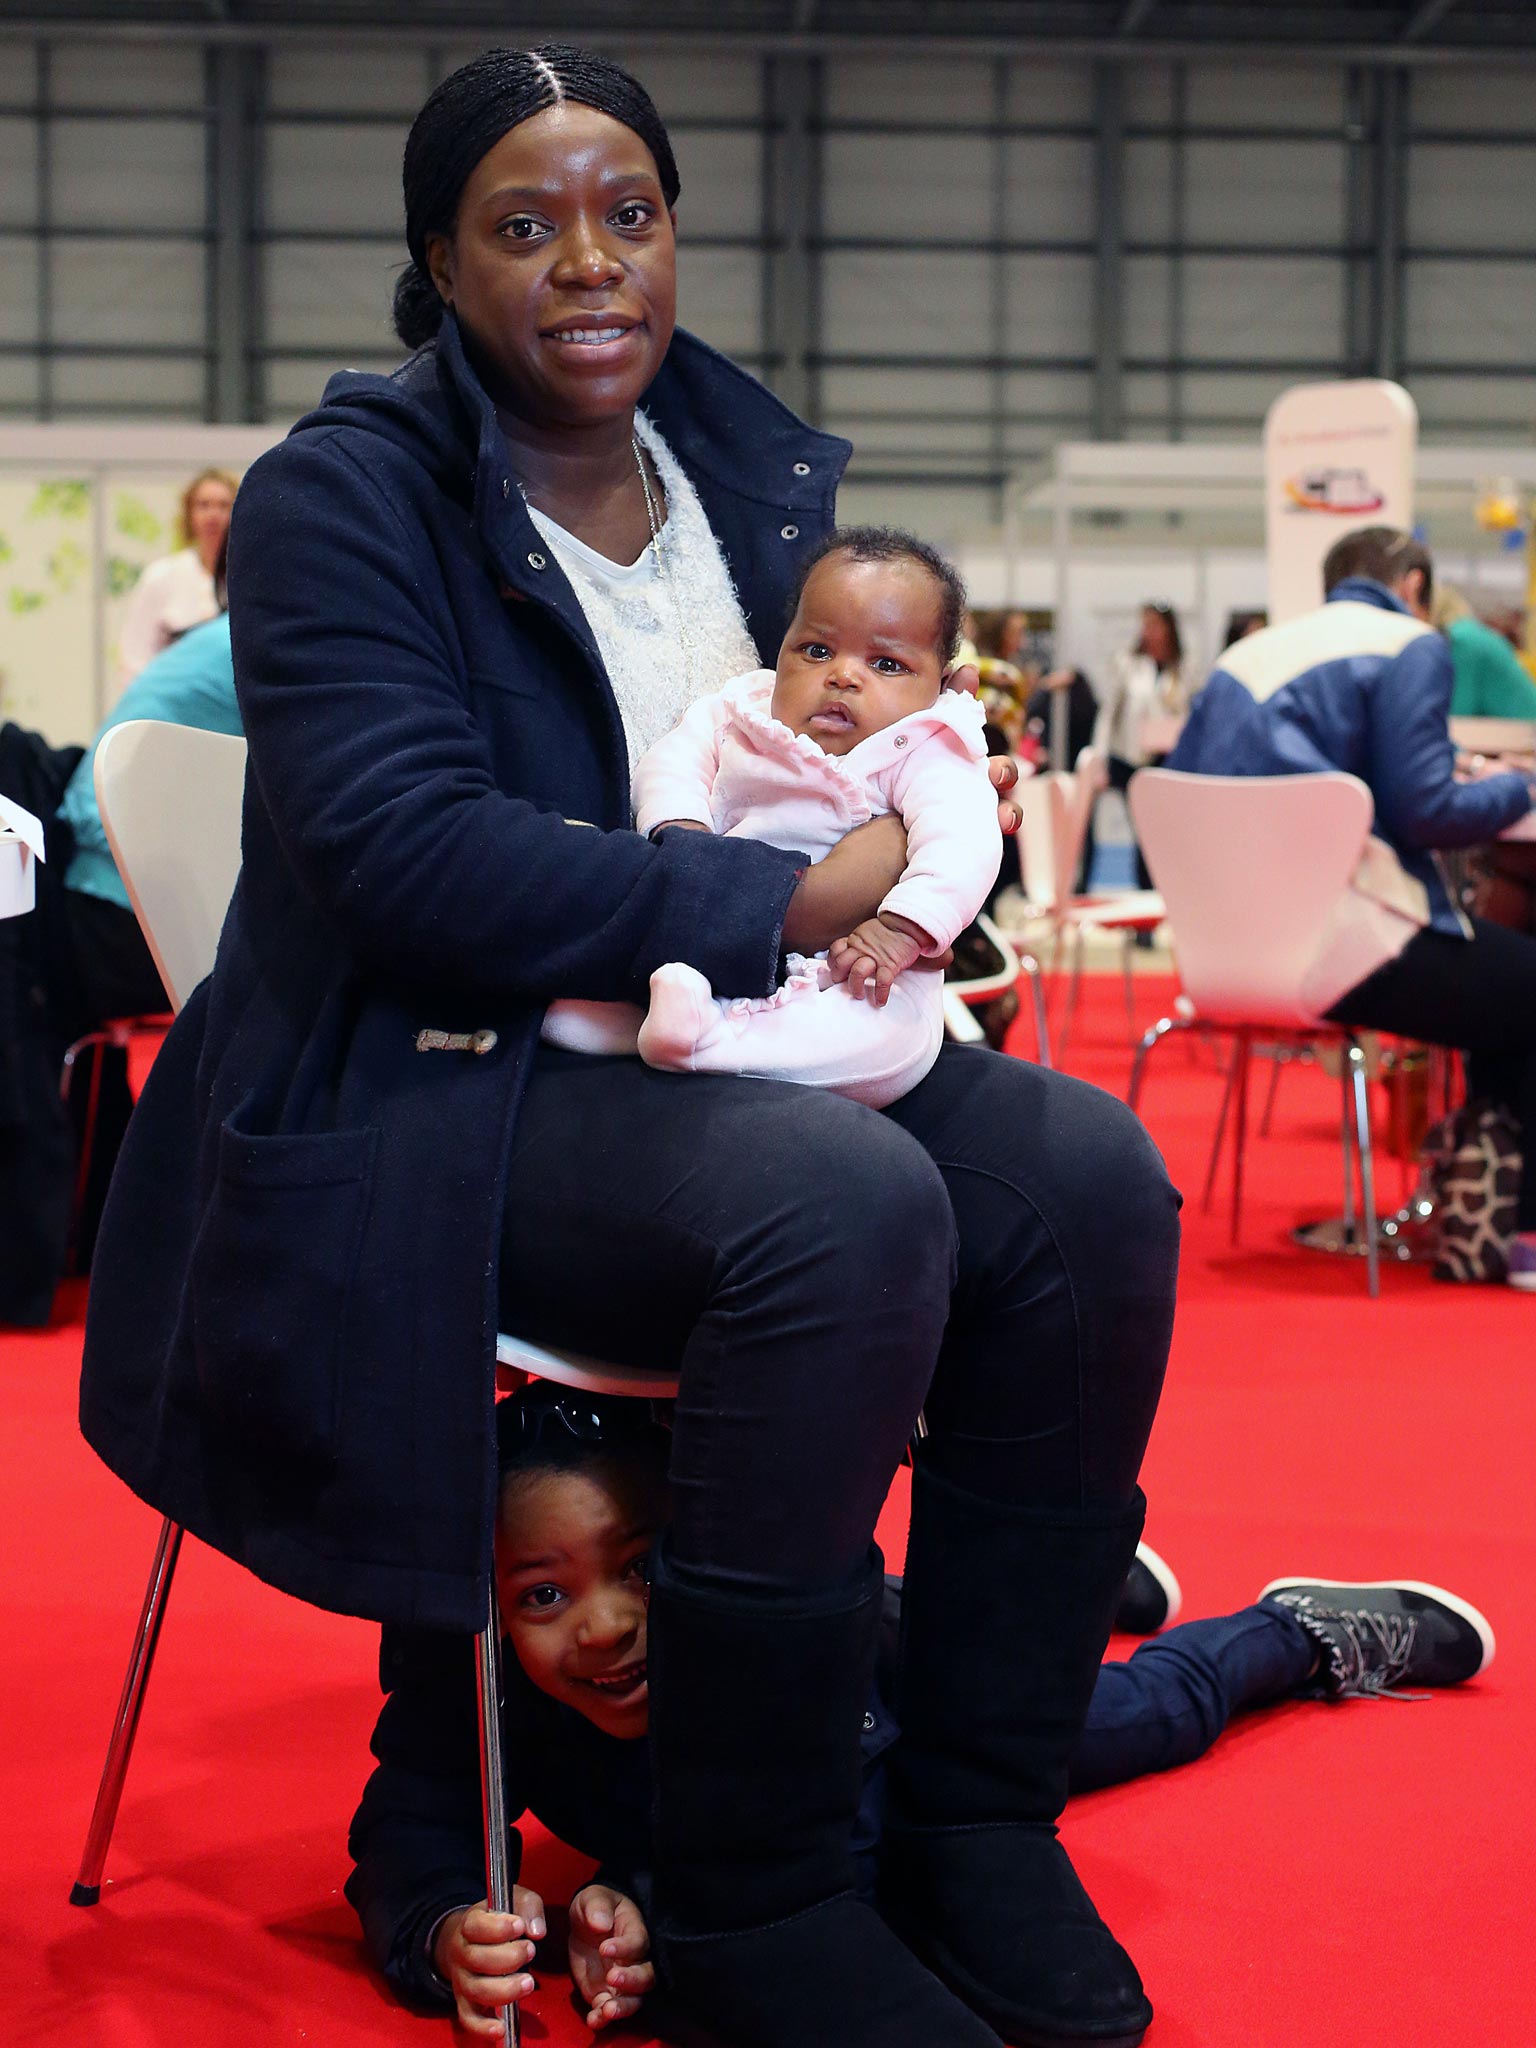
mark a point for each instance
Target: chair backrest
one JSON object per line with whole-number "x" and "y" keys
{"x": 1251, "y": 868}
{"x": 1044, "y": 803}
{"x": 170, "y": 806}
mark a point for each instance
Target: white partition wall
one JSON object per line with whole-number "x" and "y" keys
{"x": 82, "y": 510}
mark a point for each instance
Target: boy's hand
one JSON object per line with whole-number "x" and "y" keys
{"x": 610, "y": 1949}
{"x": 482, "y": 1955}
{"x": 874, "y": 953}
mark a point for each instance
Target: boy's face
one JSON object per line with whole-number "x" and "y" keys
{"x": 860, "y": 653}
{"x": 572, "y": 1551}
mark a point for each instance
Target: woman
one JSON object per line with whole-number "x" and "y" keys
{"x": 1146, "y": 681}
{"x": 352, "y": 1160}
{"x": 178, "y": 592}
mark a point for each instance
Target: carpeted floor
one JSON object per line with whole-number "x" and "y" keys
{"x": 1347, "y": 1877}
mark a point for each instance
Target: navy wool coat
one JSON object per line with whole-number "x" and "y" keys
{"x": 290, "y": 1342}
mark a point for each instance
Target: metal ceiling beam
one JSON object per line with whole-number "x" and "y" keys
{"x": 404, "y": 29}
{"x": 1429, "y": 15}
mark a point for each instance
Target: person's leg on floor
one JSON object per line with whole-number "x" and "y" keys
{"x": 793, "y": 1253}
{"x": 1169, "y": 1702}
{"x": 1025, "y": 1518}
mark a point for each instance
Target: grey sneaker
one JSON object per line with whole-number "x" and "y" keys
{"x": 1379, "y": 1639}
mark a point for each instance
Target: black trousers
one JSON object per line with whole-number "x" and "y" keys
{"x": 1001, "y": 1245}
{"x": 1478, "y": 996}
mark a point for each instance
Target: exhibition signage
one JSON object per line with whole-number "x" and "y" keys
{"x": 1336, "y": 457}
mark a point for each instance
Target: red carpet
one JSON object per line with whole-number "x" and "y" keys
{"x": 1342, "y": 1878}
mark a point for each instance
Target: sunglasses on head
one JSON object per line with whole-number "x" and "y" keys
{"x": 528, "y": 1424}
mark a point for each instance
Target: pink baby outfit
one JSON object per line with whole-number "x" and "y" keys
{"x": 731, "y": 765}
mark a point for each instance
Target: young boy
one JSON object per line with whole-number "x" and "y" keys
{"x": 854, "y": 722}
{"x": 583, "y": 1498}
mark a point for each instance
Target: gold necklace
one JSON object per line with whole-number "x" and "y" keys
{"x": 664, "y": 567}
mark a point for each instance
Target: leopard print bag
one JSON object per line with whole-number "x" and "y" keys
{"x": 1471, "y": 1178}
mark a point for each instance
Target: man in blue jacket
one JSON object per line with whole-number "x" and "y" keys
{"x": 1363, "y": 686}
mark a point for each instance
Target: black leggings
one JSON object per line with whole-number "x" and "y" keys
{"x": 1478, "y": 996}
{"x": 1006, "y": 1234}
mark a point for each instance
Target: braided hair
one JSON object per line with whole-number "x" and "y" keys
{"x": 468, "y": 114}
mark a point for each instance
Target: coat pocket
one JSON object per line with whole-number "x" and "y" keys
{"x": 271, "y": 1283}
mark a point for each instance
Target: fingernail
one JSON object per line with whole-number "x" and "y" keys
{"x": 538, "y": 1930}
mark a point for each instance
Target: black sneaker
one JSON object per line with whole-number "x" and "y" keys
{"x": 1151, "y": 1598}
{"x": 1377, "y": 1639}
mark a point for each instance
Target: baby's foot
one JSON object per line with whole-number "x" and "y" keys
{"x": 682, "y": 1012}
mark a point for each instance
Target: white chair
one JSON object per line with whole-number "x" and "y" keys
{"x": 170, "y": 802}
{"x": 1251, "y": 869}
{"x": 1056, "y": 810}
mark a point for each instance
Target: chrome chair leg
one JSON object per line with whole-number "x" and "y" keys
{"x": 87, "y": 1886}
{"x": 1243, "y": 1056}
{"x": 1074, "y": 987}
{"x": 1221, "y": 1131}
{"x": 1127, "y": 969}
{"x": 1036, "y": 980}
{"x": 1347, "y": 1147}
{"x": 1361, "y": 1089}
{"x": 1280, "y": 1056}
{"x": 1157, "y": 1033}
{"x": 493, "y": 1784}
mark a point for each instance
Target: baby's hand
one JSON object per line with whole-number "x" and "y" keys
{"x": 874, "y": 953}
{"x": 610, "y": 1947}
{"x": 481, "y": 1956}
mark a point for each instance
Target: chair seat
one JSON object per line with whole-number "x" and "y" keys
{"x": 1135, "y": 910}
{"x": 591, "y": 1375}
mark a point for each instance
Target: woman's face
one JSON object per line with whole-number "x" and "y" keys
{"x": 562, "y": 268}
{"x": 1157, "y": 638}
{"x": 208, "y": 513}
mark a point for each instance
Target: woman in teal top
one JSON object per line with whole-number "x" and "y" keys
{"x": 191, "y": 682}
{"x": 1491, "y": 680}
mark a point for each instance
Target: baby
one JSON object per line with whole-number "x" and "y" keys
{"x": 583, "y": 1497}
{"x": 854, "y": 722}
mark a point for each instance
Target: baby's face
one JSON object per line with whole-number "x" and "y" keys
{"x": 572, "y": 1578}
{"x": 861, "y": 651}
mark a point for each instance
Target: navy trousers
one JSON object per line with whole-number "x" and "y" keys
{"x": 1000, "y": 1245}
{"x": 1171, "y": 1700}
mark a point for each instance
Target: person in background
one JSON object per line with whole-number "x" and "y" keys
{"x": 1241, "y": 624}
{"x": 1491, "y": 681}
{"x": 1145, "y": 680}
{"x": 1363, "y": 686}
{"x": 177, "y": 592}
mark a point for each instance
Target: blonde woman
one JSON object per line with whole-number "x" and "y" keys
{"x": 177, "y": 592}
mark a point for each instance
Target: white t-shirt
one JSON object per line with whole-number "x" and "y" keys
{"x": 173, "y": 595}
{"x": 665, "y": 639}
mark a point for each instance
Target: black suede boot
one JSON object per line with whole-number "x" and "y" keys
{"x": 1005, "y": 1615}
{"x": 756, "y": 1706}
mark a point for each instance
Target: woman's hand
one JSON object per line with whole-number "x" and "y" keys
{"x": 1003, "y": 771}
{"x": 480, "y": 1955}
{"x": 847, "y": 887}
{"x": 610, "y": 1948}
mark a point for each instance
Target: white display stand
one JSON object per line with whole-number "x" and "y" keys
{"x": 1336, "y": 457}
{"x": 21, "y": 848}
